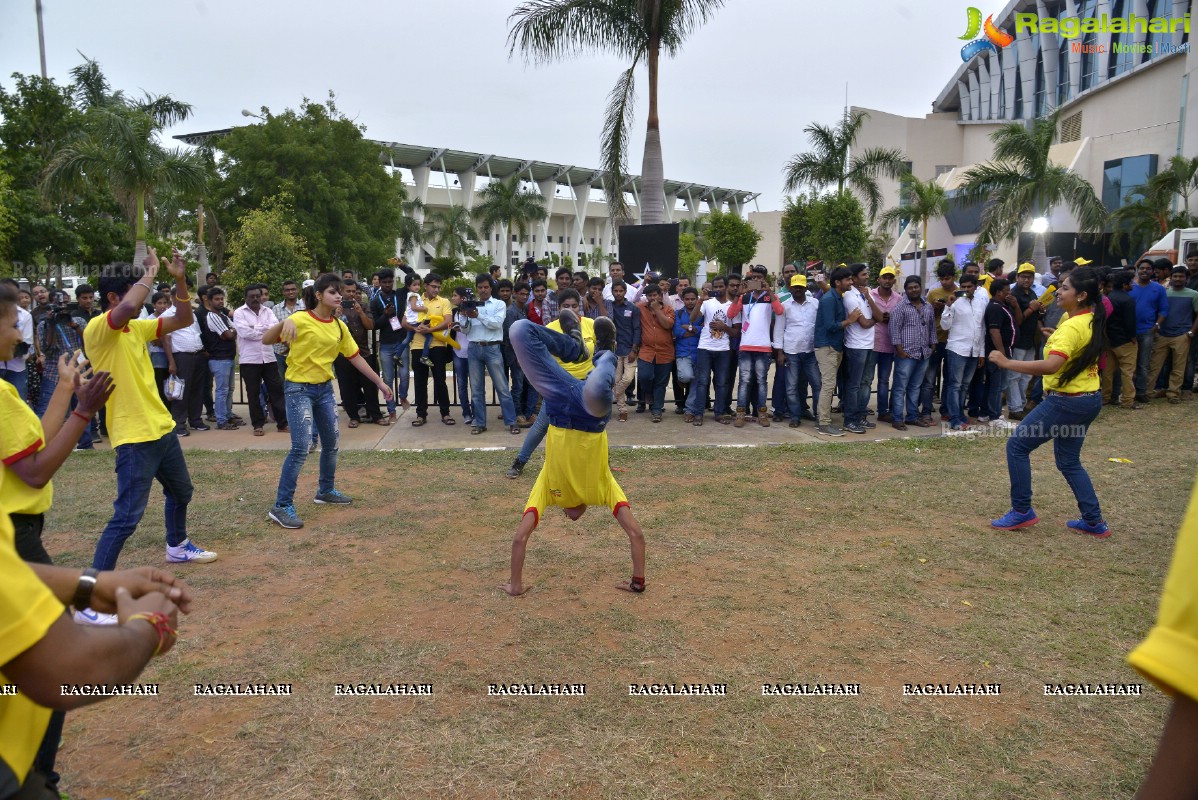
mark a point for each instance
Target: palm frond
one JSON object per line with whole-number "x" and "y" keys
{"x": 164, "y": 109}
{"x": 681, "y": 18}
{"x": 613, "y": 156}
{"x": 548, "y": 30}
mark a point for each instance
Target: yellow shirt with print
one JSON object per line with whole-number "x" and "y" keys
{"x": 135, "y": 413}
{"x": 437, "y": 307}
{"x": 1168, "y": 656}
{"x": 27, "y": 610}
{"x": 1070, "y": 340}
{"x": 317, "y": 344}
{"x": 20, "y": 437}
{"x": 580, "y": 369}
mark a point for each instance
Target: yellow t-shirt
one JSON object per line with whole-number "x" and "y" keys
{"x": 20, "y": 436}
{"x": 437, "y": 307}
{"x": 27, "y": 610}
{"x": 1069, "y": 340}
{"x": 579, "y": 369}
{"x": 575, "y": 473}
{"x": 135, "y": 412}
{"x": 317, "y": 344}
{"x": 1168, "y": 656}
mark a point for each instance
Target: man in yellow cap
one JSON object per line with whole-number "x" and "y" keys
{"x": 794, "y": 350}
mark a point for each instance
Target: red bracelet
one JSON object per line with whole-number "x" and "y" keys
{"x": 83, "y": 417}
{"x": 162, "y": 625}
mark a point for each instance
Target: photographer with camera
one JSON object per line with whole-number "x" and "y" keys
{"x": 16, "y": 370}
{"x": 357, "y": 391}
{"x": 59, "y": 331}
{"x": 484, "y": 324}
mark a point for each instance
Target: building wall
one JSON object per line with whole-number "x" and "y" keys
{"x": 769, "y": 249}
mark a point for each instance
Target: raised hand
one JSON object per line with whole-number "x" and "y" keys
{"x": 178, "y": 267}
{"x": 150, "y": 263}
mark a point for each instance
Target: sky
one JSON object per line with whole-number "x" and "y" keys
{"x": 733, "y": 102}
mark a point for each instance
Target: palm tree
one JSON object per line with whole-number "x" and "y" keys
{"x": 636, "y": 31}
{"x": 697, "y": 227}
{"x": 831, "y": 162}
{"x": 926, "y": 201}
{"x": 503, "y": 204}
{"x": 450, "y": 231}
{"x": 1022, "y": 182}
{"x": 1147, "y": 218}
{"x": 117, "y": 147}
{"x": 1180, "y": 177}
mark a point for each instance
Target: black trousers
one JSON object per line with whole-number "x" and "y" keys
{"x": 193, "y": 369}
{"x": 357, "y": 391}
{"x": 254, "y": 375}
{"x": 440, "y": 358}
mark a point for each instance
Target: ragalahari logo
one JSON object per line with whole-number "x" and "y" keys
{"x": 996, "y": 37}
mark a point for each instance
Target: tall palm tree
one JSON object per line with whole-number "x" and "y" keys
{"x": 1022, "y": 182}
{"x": 1180, "y": 177}
{"x": 926, "y": 201}
{"x": 450, "y": 231}
{"x": 831, "y": 162}
{"x": 636, "y": 31}
{"x": 1147, "y": 218}
{"x": 503, "y": 204}
{"x": 697, "y": 227}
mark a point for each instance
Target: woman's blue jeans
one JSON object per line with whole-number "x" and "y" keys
{"x": 1065, "y": 421}
{"x": 310, "y": 407}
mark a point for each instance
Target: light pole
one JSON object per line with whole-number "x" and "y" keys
{"x": 1039, "y": 227}
{"x": 245, "y": 112}
{"x": 41, "y": 37}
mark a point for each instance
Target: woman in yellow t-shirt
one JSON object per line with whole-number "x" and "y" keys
{"x": 1072, "y": 400}
{"x": 316, "y": 337}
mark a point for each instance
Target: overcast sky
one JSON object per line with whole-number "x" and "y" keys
{"x": 733, "y": 103}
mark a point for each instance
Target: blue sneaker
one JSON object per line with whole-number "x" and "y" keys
{"x": 1014, "y": 520}
{"x": 1099, "y": 530}
{"x": 334, "y": 498}
{"x": 188, "y": 552}
{"x": 286, "y": 516}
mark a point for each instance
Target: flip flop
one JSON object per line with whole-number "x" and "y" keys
{"x": 449, "y": 420}
{"x": 416, "y": 423}
{"x": 353, "y": 423}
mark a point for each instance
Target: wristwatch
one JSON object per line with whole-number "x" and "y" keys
{"x": 83, "y": 592}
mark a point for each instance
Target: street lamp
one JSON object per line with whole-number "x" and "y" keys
{"x": 245, "y": 112}
{"x": 1039, "y": 227}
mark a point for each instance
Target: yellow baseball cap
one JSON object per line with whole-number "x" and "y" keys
{"x": 798, "y": 280}
{"x": 888, "y": 271}
{"x": 1025, "y": 267}
{"x": 1081, "y": 262}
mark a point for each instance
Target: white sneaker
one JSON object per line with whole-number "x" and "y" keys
{"x": 90, "y": 617}
{"x": 1002, "y": 422}
{"x": 189, "y": 552}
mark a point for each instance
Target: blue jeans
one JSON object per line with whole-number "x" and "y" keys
{"x": 391, "y": 356}
{"x": 752, "y": 365}
{"x": 960, "y": 373}
{"x": 996, "y": 381}
{"x": 882, "y": 364}
{"x": 525, "y": 407}
{"x": 802, "y": 371}
{"x": 654, "y": 378}
{"x": 781, "y": 395}
{"x": 48, "y": 389}
{"x": 222, "y": 375}
{"x": 855, "y": 400}
{"x": 310, "y": 406}
{"x": 461, "y": 378}
{"x": 17, "y": 379}
{"x": 685, "y": 367}
{"x": 490, "y": 359}
{"x": 1065, "y": 420}
{"x": 568, "y": 401}
{"x": 908, "y": 385}
{"x": 709, "y": 365}
{"x": 934, "y": 368}
{"x": 536, "y": 434}
{"x": 137, "y": 466}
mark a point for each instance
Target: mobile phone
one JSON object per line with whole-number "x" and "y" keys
{"x": 80, "y": 358}
{"x": 959, "y": 293}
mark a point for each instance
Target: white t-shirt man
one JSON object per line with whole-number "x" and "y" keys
{"x": 712, "y": 310}
{"x": 857, "y": 337}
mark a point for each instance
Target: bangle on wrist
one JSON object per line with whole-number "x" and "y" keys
{"x": 161, "y": 623}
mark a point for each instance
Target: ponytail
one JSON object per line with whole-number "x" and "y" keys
{"x": 1085, "y": 280}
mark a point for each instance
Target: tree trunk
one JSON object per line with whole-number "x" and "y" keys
{"x": 653, "y": 199}
{"x": 923, "y": 256}
{"x": 1039, "y": 255}
{"x": 507, "y": 239}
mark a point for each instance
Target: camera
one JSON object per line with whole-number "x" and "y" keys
{"x": 348, "y": 304}
{"x": 469, "y": 301}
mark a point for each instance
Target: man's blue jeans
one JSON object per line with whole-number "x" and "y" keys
{"x": 584, "y": 405}
{"x": 222, "y": 375}
{"x": 908, "y": 385}
{"x": 880, "y": 364}
{"x": 855, "y": 400}
{"x": 521, "y": 386}
{"x": 654, "y": 378}
{"x": 781, "y": 397}
{"x": 1065, "y": 420}
{"x": 391, "y": 356}
{"x": 960, "y": 373}
{"x": 310, "y": 406}
{"x": 137, "y": 466}
{"x": 709, "y": 365}
{"x": 934, "y": 368}
{"x": 461, "y": 377}
{"x": 802, "y": 371}
{"x": 753, "y": 364}
{"x": 489, "y": 358}
{"x": 18, "y": 379}
{"x": 996, "y": 381}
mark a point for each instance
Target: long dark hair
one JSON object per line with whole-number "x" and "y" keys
{"x": 1085, "y": 279}
{"x": 323, "y": 283}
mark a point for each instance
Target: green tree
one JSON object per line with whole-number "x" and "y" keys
{"x": 697, "y": 228}
{"x": 635, "y": 31}
{"x": 838, "y": 228}
{"x": 1180, "y": 178}
{"x": 347, "y": 207}
{"x": 688, "y": 256}
{"x": 1149, "y": 216}
{"x": 1021, "y": 182}
{"x": 504, "y": 205}
{"x": 266, "y": 249}
{"x": 733, "y": 240}
{"x": 8, "y": 223}
{"x": 831, "y": 162}
{"x": 797, "y": 242}
{"x": 926, "y": 201}
{"x": 449, "y": 231}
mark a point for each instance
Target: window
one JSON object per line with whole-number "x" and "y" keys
{"x": 1017, "y": 110}
{"x": 1089, "y": 61}
{"x": 497, "y": 237}
{"x": 1156, "y": 8}
{"x": 514, "y": 239}
{"x": 1039, "y": 109}
{"x": 1071, "y": 128}
{"x": 1002, "y": 97}
{"x": 1122, "y": 58}
{"x": 1123, "y": 178}
{"x": 1063, "y": 73}
{"x": 592, "y": 240}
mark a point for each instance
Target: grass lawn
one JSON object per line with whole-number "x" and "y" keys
{"x": 847, "y": 563}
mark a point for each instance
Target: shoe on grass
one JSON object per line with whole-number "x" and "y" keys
{"x": 286, "y": 516}
{"x": 333, "y": 498}
{"x": 1014, "y": 520}
{"x": 188, "y": 552}
{"x": 1099, "y": 530}
{"x": 515, "y": 470}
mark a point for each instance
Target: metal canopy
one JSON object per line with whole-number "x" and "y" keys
{"x": 411, "y": 156}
